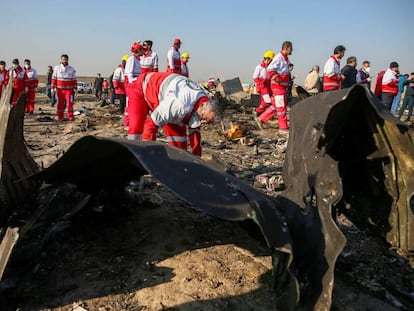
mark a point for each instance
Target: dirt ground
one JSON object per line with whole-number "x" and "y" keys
{"x": 163, "y": 255}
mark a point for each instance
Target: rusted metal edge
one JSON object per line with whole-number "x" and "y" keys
{"x": 16, "y": 162}
{"x": 6, "y": 247}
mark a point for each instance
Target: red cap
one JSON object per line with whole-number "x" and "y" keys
{"x": 177, "y": 41}
{"x": 136, "y": 46}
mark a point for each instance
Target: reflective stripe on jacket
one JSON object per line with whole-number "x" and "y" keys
{"x": 332, "y": 74}
{"x": 64, "y": 77}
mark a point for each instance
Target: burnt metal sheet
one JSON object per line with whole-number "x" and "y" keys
{"x": 6, "y": 247}
{"x": 16, "y": 162}
{"x": 117, "y": 161}
{"x": 346, "y": 154}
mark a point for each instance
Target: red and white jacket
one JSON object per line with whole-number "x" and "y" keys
{"x": 32, "y": 81}
{"x": 173, "y": 60}
{"x": 19, "y": 79}
{"x": 172, "y": 98}
{"x": 149, "y": 62}
{"x": 64, "y": 78}
{"x": 279, "y": 74}
{"x": 4, "y": 79}
{"x": 390, "y": 82}
{"x": 132, "y": 68}
{"x": 261, "y": 79}
{"x": 118, "y": 80}
{"x": 332, "y": 74}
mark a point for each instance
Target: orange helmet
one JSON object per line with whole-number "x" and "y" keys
{"x": 136, "y": 46}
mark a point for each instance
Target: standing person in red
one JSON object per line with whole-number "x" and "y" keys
{"x": 4, "y": 76}
{"x": 378, "y": 84}
{"x": 31, "y": 85}
{"x": 64, "y": 82}
{"x": 174, "y": 57}
{"x": 19, "y": 81}
{"x": 105, "y": 89}
{"x": 149, "y": 60}
{"x": 389, "y": 85}
{"x": 279, "y": 76}
{"x": 185, "y": 57}
{"x": 332, "y": 76}
{"x": 262, "y": 81}
{"x": 118, "y": 81}
{"x": 132, "y": 71}
{"x": 175, "y": 103}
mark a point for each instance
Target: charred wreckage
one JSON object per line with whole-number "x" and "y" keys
{"x": 345, "y": 153}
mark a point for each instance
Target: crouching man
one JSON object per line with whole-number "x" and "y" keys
{"x": 173, "y": 102}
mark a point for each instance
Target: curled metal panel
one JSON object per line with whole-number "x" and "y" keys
{"x": 16, "y": 162}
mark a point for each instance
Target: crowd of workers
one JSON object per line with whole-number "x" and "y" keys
{"x": 24, "y": 79}
{"x": 149, "y": 98}
{"x": 273, "y": 80}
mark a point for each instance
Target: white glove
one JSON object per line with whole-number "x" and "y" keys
{"x": 369, "y": 79}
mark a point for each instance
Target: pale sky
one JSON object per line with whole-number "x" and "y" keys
{"x": 225, "y": 39}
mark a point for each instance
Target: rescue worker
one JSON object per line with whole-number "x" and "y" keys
{"x": 279, "y": 75}
{"x": 32, "y": 82}
{"x": 389, "y": 85}
{"x": 378, "y": 84}
{"x": 211, "y": 83}
{"x": 65, "y": 84}
{"x": 105, "y": 89}
{"x": 185, "y": 57}
{"x": 19, "y": 81}
{"x": 174, "y": 58}
{"x": 332, "y": 76}
{"x": 4, "y": 76}
{"x": 175, "y": 103}
{"x": 118, "y": 81}
{"x": 262, "y": 81}
{"x": 149, "y": 60}
{"x": 132, "y": 71}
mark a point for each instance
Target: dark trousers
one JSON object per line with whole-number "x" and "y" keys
{"x": 407, "y": 103}
{"x": 122, "y": 102}
{"x": 387, "y": 99}
{"x": 98, "y": 93}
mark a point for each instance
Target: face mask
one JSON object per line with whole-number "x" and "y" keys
{"x": 367, "y": 69}
{"x": 15, "y": 66}
{"x": 27, "y": 66}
